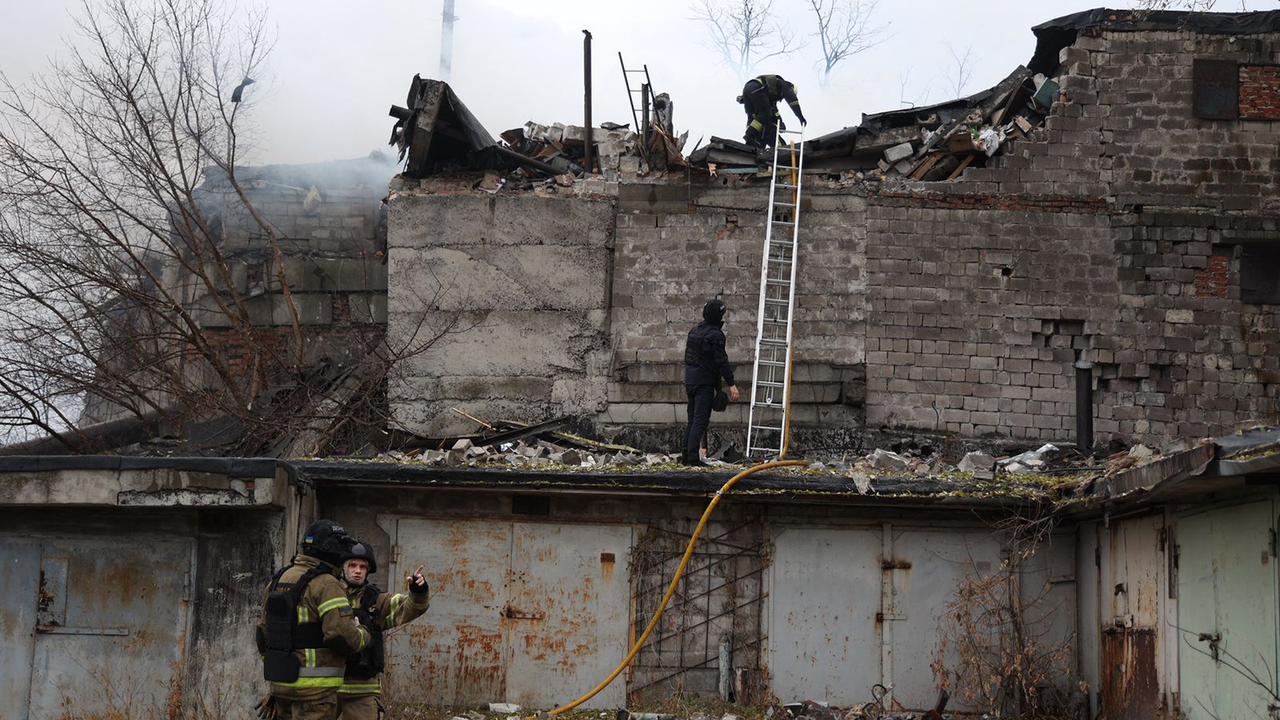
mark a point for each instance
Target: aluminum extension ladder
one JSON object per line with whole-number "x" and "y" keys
{"x": 769, "y": 422}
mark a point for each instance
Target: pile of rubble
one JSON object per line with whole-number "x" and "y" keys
{"x": 436, "y": 132}
{"x": 935, "y": 142}
{"x": 536, "y": 453}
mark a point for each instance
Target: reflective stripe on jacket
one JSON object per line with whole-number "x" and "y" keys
{"x": 391, "y": 610}
{"x": 324, "y": 601}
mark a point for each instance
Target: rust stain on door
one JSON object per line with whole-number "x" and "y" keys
{"x": 1130, "y": 687}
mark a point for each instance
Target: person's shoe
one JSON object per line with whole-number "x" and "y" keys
{"x": 693, "y": 463}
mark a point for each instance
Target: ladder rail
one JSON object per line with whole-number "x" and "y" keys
{"x": 764, "y": 277}
{"x": 797, "y": 161}
{"x": 770, "y": 410}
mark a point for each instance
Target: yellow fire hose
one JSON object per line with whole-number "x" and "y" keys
{"x": 675, "y": 581}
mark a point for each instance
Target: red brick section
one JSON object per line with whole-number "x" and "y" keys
{"x": 1260, "y": 92}
{"x": 1213, "y": 280}
{"x": 975, "y": 201}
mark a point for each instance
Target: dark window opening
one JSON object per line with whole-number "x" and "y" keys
{"x": 530, "y": 505}
{"x": 1260, "y": 274}
{"x": 1215, "y": 89}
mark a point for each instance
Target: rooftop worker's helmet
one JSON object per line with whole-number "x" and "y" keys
{"x": 362, "y": 551}
{"x": 713, "y": 311}
{"x": 327, "y": 541}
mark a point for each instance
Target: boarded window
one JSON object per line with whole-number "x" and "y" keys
{"x": 1260, "y": 274}
{"x": 1215, "y": 93}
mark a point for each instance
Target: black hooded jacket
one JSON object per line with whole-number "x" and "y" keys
{"x": 705, "y": 359}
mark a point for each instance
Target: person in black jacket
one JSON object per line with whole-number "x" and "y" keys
{"x": 705, "y": 364}
{"x": 760, "y": 98}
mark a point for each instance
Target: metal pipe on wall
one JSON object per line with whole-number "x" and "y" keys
{"x": 1084, "y": 405}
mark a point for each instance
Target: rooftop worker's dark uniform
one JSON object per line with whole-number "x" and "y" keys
{"x": 705, "y": 363}
{"x": 760, "y": 98}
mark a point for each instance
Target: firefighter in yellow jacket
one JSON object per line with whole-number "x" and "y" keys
{"x": 360, "y": 697}
{"x": 309, "y": 629}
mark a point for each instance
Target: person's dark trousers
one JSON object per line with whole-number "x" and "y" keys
{"x": 700, "y": 397}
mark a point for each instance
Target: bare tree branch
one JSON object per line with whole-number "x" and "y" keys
{"x": 844, "y": 29}
{"x": 961, "y": 70}
{"x": 744, "y": 33}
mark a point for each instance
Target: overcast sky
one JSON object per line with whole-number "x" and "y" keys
{"x": 337, "y": 66}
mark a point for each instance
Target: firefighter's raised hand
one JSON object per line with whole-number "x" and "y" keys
{"x": 416, "y": 582}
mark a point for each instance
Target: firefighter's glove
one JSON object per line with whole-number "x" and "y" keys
{"x": 267, "y": 708}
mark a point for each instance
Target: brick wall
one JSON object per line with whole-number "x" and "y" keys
{"x": 1260, "y": 92}
{"x": 1118, "y": 238}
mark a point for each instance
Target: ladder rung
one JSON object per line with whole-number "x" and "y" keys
{"x": 773, "y": 363}
{"x": 779, "y": 202}
{"x": 771, "y": 281}
{"x": 771, "y": 341}
{"x": 772, "y": 406}
{"x": 767, "y": 383}
{"x": 786, "y": 185}
{"x": 776, "y": 301}
{"x": 770, "y": 428}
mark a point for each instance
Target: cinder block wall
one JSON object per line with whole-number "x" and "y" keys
{"x": 1128, "y": 234}
{"x": 501, "y": 304}
{"x": 1119, "y": 238}
{"x": 332, "y": 229}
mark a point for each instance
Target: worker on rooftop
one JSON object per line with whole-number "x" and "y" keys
{"x": 760, "y": 98}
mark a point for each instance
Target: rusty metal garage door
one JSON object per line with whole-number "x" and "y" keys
{"x": 523, "y": 612}
{"x": 92, "y": 626}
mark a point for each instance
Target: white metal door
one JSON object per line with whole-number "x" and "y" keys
{"x": 824, "y": 593}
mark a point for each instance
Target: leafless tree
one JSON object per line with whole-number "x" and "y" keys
{"x": 996, "y": 646}
{"x": 909, "y": 99}
{"x": 845, "y": 28}
{"x": 1189, "y": 5}
{"x": 110, "y": 269}
{"x": 961, "y": 70}
{"x": 744, "y": 32}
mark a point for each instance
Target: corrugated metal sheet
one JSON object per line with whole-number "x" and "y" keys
{"x": 530, "y": 613}
{"x": 103, "y": 621}
{"x": 824, "y": 593}
{"x": 1227, "y": 608}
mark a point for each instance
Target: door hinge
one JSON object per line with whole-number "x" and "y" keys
{"x": 1271, "y": 542}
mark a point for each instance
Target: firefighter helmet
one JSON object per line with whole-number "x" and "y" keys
{"x": 362, "y": 551}
{"x": 327, "y": 541}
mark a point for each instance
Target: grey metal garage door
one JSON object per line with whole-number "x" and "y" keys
{"x": 92, "y": 625}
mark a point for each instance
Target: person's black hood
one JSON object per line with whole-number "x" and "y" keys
{"x": 713, "y": 312}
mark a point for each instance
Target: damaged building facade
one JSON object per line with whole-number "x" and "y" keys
{"x": 1119, "y": 237}
{"x": 1126, "y": 237}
